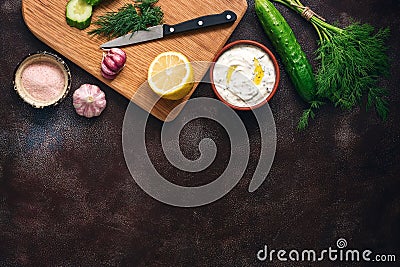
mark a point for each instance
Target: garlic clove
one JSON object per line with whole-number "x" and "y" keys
{"x": 118, "y": 60}
{"x": 111, "y": 63}
{"x": 106, "y": 70}
{"x": 109, "y": 77}
{"x": 118, "y": 51}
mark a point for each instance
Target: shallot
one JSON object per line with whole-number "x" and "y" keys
{"x": 112, "y": 63}
{"x": 89, "y": 100}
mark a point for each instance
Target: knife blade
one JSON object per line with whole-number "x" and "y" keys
{"x": 164, "y": 30}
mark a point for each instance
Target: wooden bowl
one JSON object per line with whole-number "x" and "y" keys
{"x": 42, "y": 58}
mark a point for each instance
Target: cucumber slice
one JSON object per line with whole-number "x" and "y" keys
{"x": 78, "y": 14}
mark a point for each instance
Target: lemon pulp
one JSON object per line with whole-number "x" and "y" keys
{"x": 170, "y": 75}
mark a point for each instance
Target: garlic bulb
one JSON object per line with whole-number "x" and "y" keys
{"x": 112, "y": 63}
{"x": 89, "y": 100}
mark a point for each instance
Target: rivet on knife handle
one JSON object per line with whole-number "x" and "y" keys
{"x": 201, "y": 22}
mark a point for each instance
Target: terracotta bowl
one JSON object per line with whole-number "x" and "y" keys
{"x": 267, "y": 51}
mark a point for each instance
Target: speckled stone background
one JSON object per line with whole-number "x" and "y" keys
{"x": 67, "y": 198}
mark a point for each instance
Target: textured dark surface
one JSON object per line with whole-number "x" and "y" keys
{"x": 67, "y": 197}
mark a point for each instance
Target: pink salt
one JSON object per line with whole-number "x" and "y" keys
{"x": 43, "y": 81}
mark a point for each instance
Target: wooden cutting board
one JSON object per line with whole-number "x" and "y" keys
{"x": 46, "y": 20}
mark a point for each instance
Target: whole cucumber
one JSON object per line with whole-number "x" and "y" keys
{"x": 283, "y": 39}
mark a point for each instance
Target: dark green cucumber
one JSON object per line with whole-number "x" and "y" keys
{"x": 78, "y": 14}
{"x": 93, "y": 2}
{"x": 293, "y": 57}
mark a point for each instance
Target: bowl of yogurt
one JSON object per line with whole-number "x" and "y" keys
{"x": 244, "y": 75}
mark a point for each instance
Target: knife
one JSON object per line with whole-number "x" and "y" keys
{"x": 164, "y": 30}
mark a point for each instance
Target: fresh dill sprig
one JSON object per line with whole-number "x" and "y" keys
{"x": 308, "y": 114}
{"x": 351, "y": 64}
{"x": 128, "y": 19}
{"x": 376, "y": 98}
{"x": 352, "y": 61}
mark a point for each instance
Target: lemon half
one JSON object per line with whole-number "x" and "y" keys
{"x": 171, "y": 75}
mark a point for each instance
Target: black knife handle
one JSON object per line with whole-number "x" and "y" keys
{"x": 201, "y": 22}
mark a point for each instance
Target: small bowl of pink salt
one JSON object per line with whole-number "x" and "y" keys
{"x": 42, "y": 79}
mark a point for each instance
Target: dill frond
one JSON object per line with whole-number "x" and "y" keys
{"x": 128, "y": 20}
{"x": 351, "y": 60}
{"x": 352, "y": 64}
{"x": 308, "y": 114}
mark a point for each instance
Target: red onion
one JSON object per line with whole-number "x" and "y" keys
{"x": 112, "y": 63}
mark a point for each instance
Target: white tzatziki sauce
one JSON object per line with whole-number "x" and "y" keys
{"x": 244, "y": 75}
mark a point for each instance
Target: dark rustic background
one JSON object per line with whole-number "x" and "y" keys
{"x": 67, "y": 198}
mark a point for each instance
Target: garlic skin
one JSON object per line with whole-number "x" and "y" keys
{"x": 89, "y": 101}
